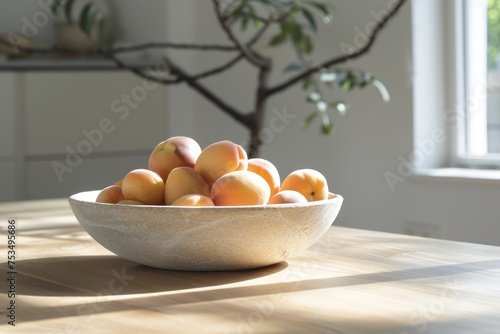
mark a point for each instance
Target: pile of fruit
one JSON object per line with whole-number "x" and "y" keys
{"x": 181, "y": 174}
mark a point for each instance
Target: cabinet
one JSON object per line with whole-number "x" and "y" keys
{"x": 62, "y": 132}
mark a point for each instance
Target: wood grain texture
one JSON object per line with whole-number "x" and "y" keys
{"x": 351, "y": 281}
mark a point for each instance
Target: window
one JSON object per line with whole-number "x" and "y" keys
{"x": 456, "y": 89}
{"x": 478, "y": 136}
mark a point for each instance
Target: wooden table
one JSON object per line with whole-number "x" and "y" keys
{"x": 351, "y": 281}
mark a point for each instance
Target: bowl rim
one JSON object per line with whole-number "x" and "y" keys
{"x": 77, "y": 198}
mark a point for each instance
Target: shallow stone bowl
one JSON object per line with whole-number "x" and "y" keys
{"x": 205, "y": 238}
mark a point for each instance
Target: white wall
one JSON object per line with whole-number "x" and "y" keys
{"x": 43, "y": 111}
{"x": 27, "y": 18}
{"x": 368, "y": 140}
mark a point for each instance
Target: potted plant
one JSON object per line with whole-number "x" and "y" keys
{"x": 83, "y": 26}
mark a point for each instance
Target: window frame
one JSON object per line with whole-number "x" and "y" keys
{"x": 460, "y": 24}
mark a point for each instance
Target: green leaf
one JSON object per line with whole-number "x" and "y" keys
{"x": 341, "y": 106}
{"x": 304, "y": 44}
{"x": 327, "y": 16}
{"x": 309, "y": 119}
{"x": 244, "y": 24}
{"x": 382, "y": 89}
{"x": 55, "y": 6}
{"x": 366, "y": 79}
{"x": 340, "y": 77}
{"x": 326, "y": 125}
{"x": 293, "y": 67}
{"x": 326, "y": 76}
{"x": 278, "y": 39}
{"x": 349, "y": 82}
{"x": 68, "y": 8}
{"x": 306, "y": 84}
{"x": 310, "y": 19}
{"x": 347, "y": 85}
{"x": 313, "y": 97}
{"x": 322, "y": 106}
{"x": 327, "y": 128}
{"x": 258, "y": 23}
{"x": 320, "y": 6}
{"x": 87, "y": 20}
{"x": 327, "y": 19}
{"x": 232, "y": 16}
{"x": 292, "y": 27}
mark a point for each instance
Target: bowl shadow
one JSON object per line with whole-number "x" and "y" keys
{"x": 112, "y": 275}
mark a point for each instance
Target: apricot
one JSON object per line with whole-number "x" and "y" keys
{"x": 130, "y": 202}
{"x": 268, "y": 171}
{"x": 184, "y": 181}
{"x": 240, "y": 188}
{"x": 173, "y": 152}
{"x": 219, "y": 159}
{"x": 309, "y": 182}
{"x": 144, "y": 186}
{"x": 193, "y": 200}
{"x": 119, "y": 183}
{"x": 112, "y": 194}
{"x": 287, "y": 196}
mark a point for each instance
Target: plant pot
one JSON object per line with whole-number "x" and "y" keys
{"x": 71, "y": 37}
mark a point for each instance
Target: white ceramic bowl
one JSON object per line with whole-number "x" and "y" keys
{"x": 205, "y": 238}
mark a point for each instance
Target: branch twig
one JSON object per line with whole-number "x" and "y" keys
{"x": 340, "y": 59}
{"x": 193, "y": 83}
{"x": 235, "y": 60}
{"x": 251, "y": 56}
{"x": 137, "y": 71}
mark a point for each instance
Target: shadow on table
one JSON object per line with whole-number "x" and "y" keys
{"x": 112, "y": 275}
{"x": 183, "y": 288}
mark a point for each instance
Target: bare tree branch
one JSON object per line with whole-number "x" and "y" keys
{"x": 177, "y": 80}
{"x": 137, "y": 71}
{"x": 235, "y": 60}
{"x": 340, "y": 59}
{"x": 230, "y": 110}
{"x": 202, "y": 75}
{"x": 251, "y": 56}
{"x": 218, "y": 69}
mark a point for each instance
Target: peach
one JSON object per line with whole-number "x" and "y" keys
{"x": 112, "y": 194}
{"x": 119, "y": 183}
{"x": 287, "y": 196}
{"x": 173, "y": 152}
{"x": 309, "y": 182}
{"x": 184, "y": 181}
{"x": 130, "y": 202}
{"x": 219, "y": 159}
{"x": 144, "y": 186}
{"x": 268, "y": 171}
{"x": 240, "y": 188}
{"x": 193, "y": 200}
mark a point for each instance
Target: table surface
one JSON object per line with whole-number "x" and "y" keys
{"x": 350, "y": 281}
